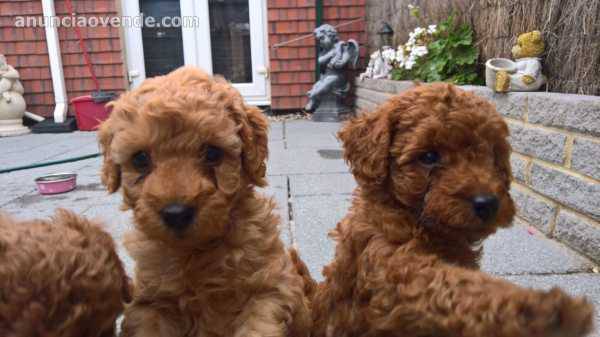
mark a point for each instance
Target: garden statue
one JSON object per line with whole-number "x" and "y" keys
{"x": 525, "y": 74}
{"x": 12, "y": 103}
{"x": 327, "y": 95}
{"x": 379, "y": 66}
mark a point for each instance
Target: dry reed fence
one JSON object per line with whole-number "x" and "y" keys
{"x": 571, "y": 29}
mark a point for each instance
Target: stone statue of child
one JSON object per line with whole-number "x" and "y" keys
{"x": 12, "y": 103}
{"x": 334, "y": 57}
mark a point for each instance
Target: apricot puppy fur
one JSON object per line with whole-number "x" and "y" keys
{"x": 433, "y": 173}
{"x": 61, "y": 277}
{"x": 188, "y": 154}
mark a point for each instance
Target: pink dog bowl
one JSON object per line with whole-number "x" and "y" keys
{"x": 56, "y": 183}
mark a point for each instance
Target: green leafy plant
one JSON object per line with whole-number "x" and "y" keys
{"x": 451, "y": 55}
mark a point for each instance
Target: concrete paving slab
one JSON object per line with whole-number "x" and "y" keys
{"x": 515, "y": 251}
{"x": 307, "y": 127}
{"x": 307, "y": 134}
{"x": 28, "y": 142}
{"x": 275, "y": 131}
{"x": 117, "y": 223}
{"x": 314, "y": 217}
{"x": 21, "y": 183}
{"x": 305, "y": 161}
{"x": 575, "y": 284}
{"x": 278, "y": 190}
{"x": 30, "y": 204}
{"x": 40, "y": 148}
{"x": 322, "y": 184}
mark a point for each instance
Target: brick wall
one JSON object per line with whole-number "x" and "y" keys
{"x": 293, "y": 66}
{"x": 556, "y": 158}
{"x": 103, "y": 45}
{"x": 27, "y": 51}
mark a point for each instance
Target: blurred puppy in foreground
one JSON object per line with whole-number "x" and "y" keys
{"x": 60, "y": 278}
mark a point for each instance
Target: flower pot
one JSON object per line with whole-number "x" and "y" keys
{"x": 492, "y": 66}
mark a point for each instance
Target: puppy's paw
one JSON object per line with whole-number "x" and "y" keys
{"x": 558, "y": 315}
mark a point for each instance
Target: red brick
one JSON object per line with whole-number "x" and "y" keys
{"x": 306, "y": 3}
{"x": 280, "y": 90}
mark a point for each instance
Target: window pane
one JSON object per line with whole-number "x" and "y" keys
{"x": 230, "y": 39}
{"x": 163, "y": 47}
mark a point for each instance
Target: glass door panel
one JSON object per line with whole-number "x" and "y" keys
{"x": 163, "y": 46}
{"x": 230, "y": 39}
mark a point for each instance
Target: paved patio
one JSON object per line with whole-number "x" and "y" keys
{"x": 312, "y": 186}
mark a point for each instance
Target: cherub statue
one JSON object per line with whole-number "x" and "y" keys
{"x": 12, "y": 104}
{"x": 526, "y": 72}
{"x": 334, "y": 57}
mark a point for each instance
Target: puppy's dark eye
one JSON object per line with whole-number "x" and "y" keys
{"x": 141, "y": 161}
{"x": 429, "y": 158}
{"x": 214, "y": 155}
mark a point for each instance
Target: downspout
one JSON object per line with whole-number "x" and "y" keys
{"x": 319, "y": 22}
{"x": 56, "y": 67}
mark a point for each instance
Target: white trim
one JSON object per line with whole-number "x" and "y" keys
{"x": 199, "y": 45}
{"x": 134, "y": 44}
{"x": 267, "y": 57}
{"x": 56, "y": 66}
{"x": 257, "y": 101}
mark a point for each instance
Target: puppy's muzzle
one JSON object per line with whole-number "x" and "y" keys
{"x": 178, "y": 216}
{"x": 485, "y": 206}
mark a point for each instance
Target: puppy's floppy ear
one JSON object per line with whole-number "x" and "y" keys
{"x": 366, "y": 140}
{"x": 110, "y": 173}
{"x": 254, "y": 135}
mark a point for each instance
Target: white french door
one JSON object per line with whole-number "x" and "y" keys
{"x": 225, "y": 37}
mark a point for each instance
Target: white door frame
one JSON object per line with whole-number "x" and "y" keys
{"x": 197, "y": 47}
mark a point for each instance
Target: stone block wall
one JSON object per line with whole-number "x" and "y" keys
{"x": 556, "y": 157}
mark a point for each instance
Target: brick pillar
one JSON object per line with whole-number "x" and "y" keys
{"x": 292, "y": 66}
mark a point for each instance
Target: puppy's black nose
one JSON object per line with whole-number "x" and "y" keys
{"x": 485, "y": 206}
{"x": 178, "y": 216}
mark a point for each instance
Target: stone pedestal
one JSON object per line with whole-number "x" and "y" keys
{"x": 12, "y": 127}
{"x": 331, "y": 109}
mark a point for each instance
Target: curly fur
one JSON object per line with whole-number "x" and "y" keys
{"x": 406, "y": 261}
{"x": 228, "y": 274}
{"x": 59, "y": 278}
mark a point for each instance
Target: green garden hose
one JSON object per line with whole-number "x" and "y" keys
{"x": 49, "y": 163}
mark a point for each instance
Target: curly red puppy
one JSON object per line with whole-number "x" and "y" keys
{"x": 433, "y": 171}
{"x": 188, "y": 154}
{"x": 59, "y": 278}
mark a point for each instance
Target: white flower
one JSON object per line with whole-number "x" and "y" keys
{"x": 389, "y": 55}
{"x": 400, "y": 55}
{"x": 432, "y": 29}
{"x": 408, "y": 65}
{"x": 414, "y": 35}
{"x": 419, "y": 30}
{"x": 411, "y": 6}
{"x": 418, "y": 51}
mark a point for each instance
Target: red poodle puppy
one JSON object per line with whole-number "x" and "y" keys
{"x": 188, "y": 154}
{"x": 433, "y": 173}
